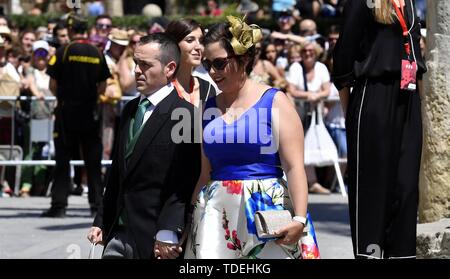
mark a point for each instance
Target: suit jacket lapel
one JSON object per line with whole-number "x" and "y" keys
{"x": 150, "y": 129}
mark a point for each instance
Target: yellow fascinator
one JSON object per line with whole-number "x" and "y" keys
{"x": 244, "y": 35}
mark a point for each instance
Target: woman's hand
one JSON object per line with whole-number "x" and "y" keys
{"x": 290, "y": 234}
{"x": 313, "y": 97}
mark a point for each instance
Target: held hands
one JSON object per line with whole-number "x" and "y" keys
{"x": 290, "y": 234}
{"x": 164, "y": 250}
{"x": 95, "y": 235}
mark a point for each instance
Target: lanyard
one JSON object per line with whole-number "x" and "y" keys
{"x": 402, "y": 21}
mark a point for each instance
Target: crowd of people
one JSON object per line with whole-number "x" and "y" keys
{"x": 206, "y": 67}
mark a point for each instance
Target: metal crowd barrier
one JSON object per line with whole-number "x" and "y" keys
{"x": 46, "y": 163}
{"x": 4, "y": 113}
{"x": 73, "y": 162}
{"x": 40, "y": 131}
{"x": 20, "y": 163}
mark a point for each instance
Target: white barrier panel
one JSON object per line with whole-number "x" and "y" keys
{"x": 47, "y": 163}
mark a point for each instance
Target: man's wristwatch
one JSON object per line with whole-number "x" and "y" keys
{"x": 300, "y": 219}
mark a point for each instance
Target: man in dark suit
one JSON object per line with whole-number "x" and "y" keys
{"x": 152, "y": 176}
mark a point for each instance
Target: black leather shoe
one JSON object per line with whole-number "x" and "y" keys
{"x": 54, "y": 213}
{"x": 77, "y": 190}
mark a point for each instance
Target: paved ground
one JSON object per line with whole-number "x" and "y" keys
{"x": 23, "y": 234}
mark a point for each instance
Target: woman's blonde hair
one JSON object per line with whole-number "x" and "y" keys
{"x": 383, "y": 11}
{"x": 317, "y": 48}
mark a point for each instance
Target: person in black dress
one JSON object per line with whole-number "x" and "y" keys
{"x": 384, "y": 126}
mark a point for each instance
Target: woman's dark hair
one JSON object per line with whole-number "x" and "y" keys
{"x": 264, "y": 45}
{"x": 220, "y": 32}
{"x": 178, "y": 29}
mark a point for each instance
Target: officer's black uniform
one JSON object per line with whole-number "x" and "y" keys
{"x": 77, "y": 69}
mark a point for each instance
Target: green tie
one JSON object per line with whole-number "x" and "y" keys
{"x": 139, "y": 117}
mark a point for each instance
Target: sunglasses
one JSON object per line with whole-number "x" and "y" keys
{"x": 103, "y": 26}
{"x": 284, "y": 19}
{"x": 42, "y": 53}
{"x": 218, "y": 64}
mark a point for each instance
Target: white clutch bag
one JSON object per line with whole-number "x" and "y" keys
{"x": 269, "y": 221}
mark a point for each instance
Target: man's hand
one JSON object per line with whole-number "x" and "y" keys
{"x": 166, "y": 250}
{"x": 95, "y": 235}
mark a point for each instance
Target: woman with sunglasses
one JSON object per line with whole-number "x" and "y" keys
{"x": 189, "y": 35}
{"x": 241, "y": 175}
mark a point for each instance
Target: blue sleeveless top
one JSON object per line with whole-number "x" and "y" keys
{"x": 244, "y": 149}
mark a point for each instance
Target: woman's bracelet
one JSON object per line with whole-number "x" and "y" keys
{"x": 300, "y": 219}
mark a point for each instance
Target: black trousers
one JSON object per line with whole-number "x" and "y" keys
{"x": 384, "y": 137}
{"x": 66, "y": 142}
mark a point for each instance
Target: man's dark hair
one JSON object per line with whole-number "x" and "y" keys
{"x": 102, "y": 17}
{"x": 168, "y": 47}
{"x": 60, "y": 25}
{"x": 8, "y": 21}
{"x": 334, "y": 29}
{"x": 52, "y": 20}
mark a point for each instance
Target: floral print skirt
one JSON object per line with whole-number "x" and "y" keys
{"x": 223, "y": 224}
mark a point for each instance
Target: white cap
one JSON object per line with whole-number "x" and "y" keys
{"x": 41, "y": 44}
{"x": 119, "y": 37}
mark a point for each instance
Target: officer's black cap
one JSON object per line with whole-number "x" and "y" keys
{"x": 77, "y": 24}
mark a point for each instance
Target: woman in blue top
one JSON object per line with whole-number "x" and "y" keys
{"x": 242, "y": 165}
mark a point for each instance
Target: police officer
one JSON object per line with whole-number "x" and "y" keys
{"x": 78, "y": 73}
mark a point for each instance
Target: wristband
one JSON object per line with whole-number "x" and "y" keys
{"x": 300, "y": 219}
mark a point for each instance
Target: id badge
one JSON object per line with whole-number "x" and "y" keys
{"x": 409, "y": 73}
